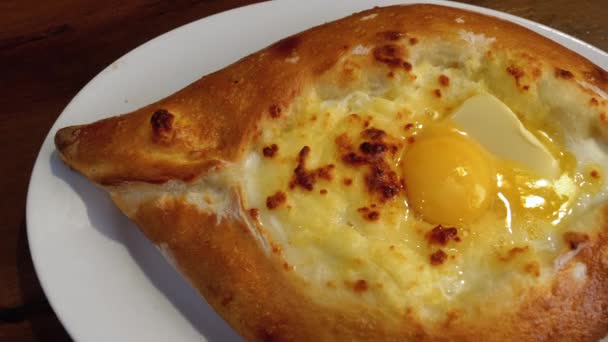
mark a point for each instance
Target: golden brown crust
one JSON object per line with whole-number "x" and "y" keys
{"x": 261, "y": 301}
{"x": 216, "y": 117}
{"x": 215, "y": 120}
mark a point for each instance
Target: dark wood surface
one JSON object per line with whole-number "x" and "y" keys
{"x": 50, "y": 49}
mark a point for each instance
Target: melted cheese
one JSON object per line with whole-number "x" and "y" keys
{"x": 343, "y": 237}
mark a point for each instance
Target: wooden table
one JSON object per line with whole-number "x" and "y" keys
{"x": 50, "y": 49}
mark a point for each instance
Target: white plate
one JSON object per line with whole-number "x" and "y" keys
{"x": 104, "y": 280}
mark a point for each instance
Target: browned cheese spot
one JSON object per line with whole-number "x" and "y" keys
{"x": 411, "y": 139}
{"x": 441, "y": 235}
{"x": 561, "y": 73}
{"x": 360, "y": 286}
{"x": 575, "y": 239}
{"x": 343, "y": 143}
{"x": 162, "y": 123}
{"x": 373, "y": 134}
{"x": 348, "y": 181}
{"x": 270, "y": 151}
{"x": 367, "y": 121}
{"x": 413, "y": 41}
{"x": 373, "y": 216}
{"x": 307, "y": 178}
{"x": 512, "y": 253}
{"x": 532, "y": 268}
{"x": 438, "y": 257}
{"x": 275, "y": 200}
{"x": 408, "y": 126}
{"x": 275, "y": 111}
{"x": 516, "y": 72}
{"x": 368, "y": 214}
{"x": 372, "y": 148}
{"x": 383, "y": 180}
{"x": 323, "y": 192}
{"x": 437, "y": 93}
{"x": 594, "y": 102}
{"x": 603, "y": 117}
{"x": 354, "y": 159}
{"x": 380, "y": 179}
{"x": 444, "y": 80}
{"x": 526, "y": 87}
{"x": 392, "y": 55}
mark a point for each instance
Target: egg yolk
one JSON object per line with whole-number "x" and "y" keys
{"x": 449, "y": 178}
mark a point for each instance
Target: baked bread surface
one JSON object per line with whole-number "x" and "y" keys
{"x": 207, "y": 173}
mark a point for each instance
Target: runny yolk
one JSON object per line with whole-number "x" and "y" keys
{"x": 449, "y": 178}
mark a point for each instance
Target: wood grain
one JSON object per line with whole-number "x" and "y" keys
{"x": 50, "y": 49}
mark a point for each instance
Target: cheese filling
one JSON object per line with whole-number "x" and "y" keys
{"x": 419, "y": 192}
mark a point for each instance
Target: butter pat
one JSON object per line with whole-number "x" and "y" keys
{"x": 488, "y": 120}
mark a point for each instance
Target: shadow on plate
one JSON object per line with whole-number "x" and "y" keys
{"x": 106, "y": 218}
{"x": 35, "y": 313}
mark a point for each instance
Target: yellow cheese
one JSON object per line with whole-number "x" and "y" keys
{"x": 338, "y": 232}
